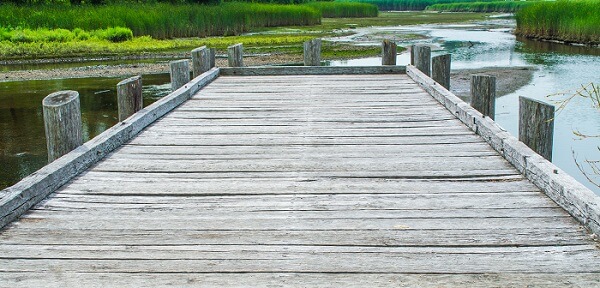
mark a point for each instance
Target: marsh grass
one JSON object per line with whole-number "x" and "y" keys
{"x": 496, "y": 6}
{"x": 407, "y": 5}
{"x": 570, "y": 21}
{"x": 344, "y": 9}
{"x": 160, "y": 20}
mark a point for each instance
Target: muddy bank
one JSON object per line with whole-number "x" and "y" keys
{"x": 126, "y": 70}
{"x": 508, "y": 79}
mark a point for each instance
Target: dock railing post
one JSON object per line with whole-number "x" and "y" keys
{"x": 62, "y": 123}
{"x": 200, "y": 61}
{"x": 312, "y": 52}
{"x": 483, "y": 94}
{"x": 536, "y": 126}
{"x": 211, "y": 57}
{"x": 423, "y": 59}
{"x": 235, "y": 55}
{"x": 180, "y": 73}
{"x": 388, "y": 52}
{"x": 440, "y": 70}
{"x": 412, "y": 54}
{"x": 129, "y": 97}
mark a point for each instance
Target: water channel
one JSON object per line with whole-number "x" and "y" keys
{"x": 558, "y": 68}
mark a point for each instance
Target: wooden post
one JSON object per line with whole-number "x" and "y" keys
{"x": 129, "y": 97}
{"x": 440, "y": 70}
{"x": 235, "y": 55}
{"x": 483, "y": 94}
{"x": 312, "y": 52}
{"x": 388, "y": 52}
{"x": 200, "y": 61}
{"x": 212, "y": 56}
{"x": 536, "y": 126}
{"x": 62, "y": 123}
{"x": 423, "y": 59}
{"x": 412, "y": 54}
{"x": 180, "y": 73}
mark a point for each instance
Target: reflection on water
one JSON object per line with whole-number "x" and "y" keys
{"x": 22, "y": 141}
{"x": 560, "y": 68}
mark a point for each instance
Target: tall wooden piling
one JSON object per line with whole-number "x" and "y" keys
{"x": 200, "y": 61}
{"x": 212, "y": 57}
{"x": 412, "y": 54}
{"x": 440, "y": 70}
{"x": 388, "y": 52}
{"x": 62, "y": 123}
{"x": 312, "y": 52}
{"x": 129, "y": 97}
{"x": 180, "y": 73}
{"x": 483, "y": 94}
{"x": 235, "y": 55}
{"x": 536, "y": 126}
{"x": 423, "y": 59}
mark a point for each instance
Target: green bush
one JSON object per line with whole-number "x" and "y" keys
{"x": 115, "y": 34}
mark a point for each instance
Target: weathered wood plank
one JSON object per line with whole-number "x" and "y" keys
{"x": 311, "y": 70}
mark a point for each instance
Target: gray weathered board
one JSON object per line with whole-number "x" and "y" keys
{"x": 308, "y": 181}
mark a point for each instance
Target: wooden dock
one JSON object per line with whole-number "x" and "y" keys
{"x": 361, "y": 180}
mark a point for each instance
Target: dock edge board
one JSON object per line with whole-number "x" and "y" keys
{"x": 568, "y": 193}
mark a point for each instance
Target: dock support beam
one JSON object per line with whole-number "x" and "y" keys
{"x": 388, "y": 52}
{"x": 483, "y": 94}
{"x": 536, "y": 126}
{"x": 62, "y": 123}
{"x": 423, "y": 59}
{"x": 312, "y": 52}
{"x": 180, "y": 73}
{"x": 235, "y": 55}
{"x": 440, "y": 70}
{"x": 129, "y": 97}
{"x": 200, "y": 61}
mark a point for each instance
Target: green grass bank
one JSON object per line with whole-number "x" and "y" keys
{"x": 570, "y": 21}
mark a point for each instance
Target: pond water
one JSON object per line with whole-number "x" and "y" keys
{"x": 561, "y": 70}
{"x": 23, "y": 142}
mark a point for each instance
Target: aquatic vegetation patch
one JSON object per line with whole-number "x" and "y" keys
{"x": 344, "y": 9}
{"x": 496, "y": 6}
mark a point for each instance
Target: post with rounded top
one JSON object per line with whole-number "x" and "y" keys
{"x": 180, "y": 73}
{"x": 423, "y": 59}
{"x": 536, "y": 126}
{"x": 200, "y": 61}
{"x": 62, "y": 123}
{"x": 129, "y": 97}
{"x": 440, "y": 70}
{"x": 483, "y": 94}
{"x": 235, "y": 55}
{"x": 388, "y": 52}
{"x": 312, "y": 52}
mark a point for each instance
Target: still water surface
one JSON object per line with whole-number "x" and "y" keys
{"x": 560, "y": 68}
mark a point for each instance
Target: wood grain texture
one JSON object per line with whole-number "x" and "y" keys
{"x": 62, "y": 123}
{"x": 180, "y": 73}
{"x": 440, "y": 69}
{"x": 235, "y": 55}
{"x": 201, "y": 61}
{"x": 342, "y": 180}
{"x": 388, "y": 52}
{"x": 483, "y": 94}
{"x": 536, "y": 126}
{"x": 422, "y": 59}
{"x": 129, "y": 97}
{"x": 312, "y": 52}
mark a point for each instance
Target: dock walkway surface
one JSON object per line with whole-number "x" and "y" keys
{"x": 303, "y": 180}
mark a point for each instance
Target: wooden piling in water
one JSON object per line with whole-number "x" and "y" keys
{"x": 235, "y": 55}
{"x": 412, "y": 54}
{"x": 200, "y": 61}
{"x": 483, "y": 94}
{"x": 312, "y": 52}
{"x": 62, "y": 123}
{"x": 388, "y": 52}
{"x": 129, "y": 97}
{"x": 440, "y": 70}
{"x": 536, "y": 126}
{"x": 422, "y": 59}
{"x": 180, "y": 73}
